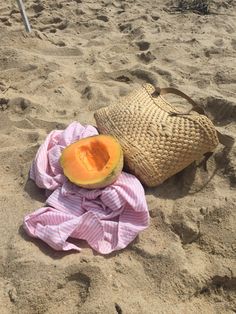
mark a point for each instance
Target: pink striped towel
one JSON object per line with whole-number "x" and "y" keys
{"x": 108, "y": 219}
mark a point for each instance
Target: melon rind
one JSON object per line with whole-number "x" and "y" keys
{"x": 102, "y": 182}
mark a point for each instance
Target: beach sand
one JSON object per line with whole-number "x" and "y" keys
{"x": 83, "y": 55}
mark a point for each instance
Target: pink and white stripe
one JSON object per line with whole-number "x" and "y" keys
{"x": 108, "y": 219}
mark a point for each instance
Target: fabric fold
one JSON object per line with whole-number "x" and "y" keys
{"x": 108, "y": 219}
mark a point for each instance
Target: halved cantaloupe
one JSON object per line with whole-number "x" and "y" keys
{"x": 93, "y": 162}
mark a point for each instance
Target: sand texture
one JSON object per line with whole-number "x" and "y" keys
{"x": 83, "y": 55}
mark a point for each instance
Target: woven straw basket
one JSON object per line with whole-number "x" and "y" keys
{"x": 157, "y": 140}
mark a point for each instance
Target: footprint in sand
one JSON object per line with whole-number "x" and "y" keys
{"x": 70, "y": 287}
{"x": 38, "y": 7}
{"x": 18, "y": 290}
{"x": 144, "y": 75}
{"x": 155, "y": 17}
{"x": 123, "y": 78}
{"x": 87, "y": 92}
{"x": 53, "y": 23}
{"x": 163, "y": 74}
{"x": 17, "y": 105}
{"x": 5, "y": 20}
{"x": 143, "y": 45}
{"x": 60, "y": 43}
{"x": 20, "y": 105}
{"x": 221, "y": 110}
{"x": 4, "y": 104}
{"x": 103, "y": 18}
{"x": 146, "y": 57}
{"x": 218, "y": 282}
{"x": 83, "y": 281}
{"x": 125, "y": 28}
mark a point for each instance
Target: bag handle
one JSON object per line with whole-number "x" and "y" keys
{"x": 224, "y": 139}
{"x": 167, "y": 90}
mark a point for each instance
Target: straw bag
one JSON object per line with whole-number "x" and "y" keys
{"x": 157, "y": 140}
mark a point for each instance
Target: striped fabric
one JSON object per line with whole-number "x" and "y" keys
{"x": 108, "y": 219}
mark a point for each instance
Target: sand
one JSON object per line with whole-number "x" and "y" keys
{"x": 83, "y": 55}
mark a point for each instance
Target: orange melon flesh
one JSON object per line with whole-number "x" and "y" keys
{"x": 93, "y": 162}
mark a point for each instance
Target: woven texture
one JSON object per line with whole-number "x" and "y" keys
{"x": 156, "y": 144}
